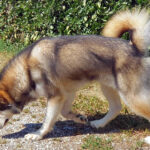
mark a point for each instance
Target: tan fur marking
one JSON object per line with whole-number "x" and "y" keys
{"x": 5, "y": 96}
{"x": 135, "y": 21}
{"x": 141, "y": 108}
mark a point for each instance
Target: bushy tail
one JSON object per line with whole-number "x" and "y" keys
{"x": 137, "y": 22}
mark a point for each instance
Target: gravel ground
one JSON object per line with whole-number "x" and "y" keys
{"x": 65, "y": 135}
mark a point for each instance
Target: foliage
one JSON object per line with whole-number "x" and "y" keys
{"x": 8, "y": 47}
{"x": 27, "y": 21}
{"x": 96, "y": 143}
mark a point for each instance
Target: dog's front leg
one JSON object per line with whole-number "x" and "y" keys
{"x": 54, "y": 107}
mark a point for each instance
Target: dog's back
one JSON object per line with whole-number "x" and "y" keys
{"x": 82, "y": 57}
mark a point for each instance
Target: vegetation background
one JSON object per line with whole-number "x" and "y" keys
{"x": 26, "y": 21}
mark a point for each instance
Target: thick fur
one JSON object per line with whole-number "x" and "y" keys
{"x": 57, "y": 67}
{"x": 136, "y": 22}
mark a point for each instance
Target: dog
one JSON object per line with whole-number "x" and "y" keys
{"x": 57, "y": 67}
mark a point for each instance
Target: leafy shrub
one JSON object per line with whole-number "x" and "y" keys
{"x": 27, "y": 21}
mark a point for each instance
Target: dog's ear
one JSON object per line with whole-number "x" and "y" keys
{"x": 5, "y": 100}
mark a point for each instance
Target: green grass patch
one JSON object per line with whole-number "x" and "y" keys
{"x": 7, "y": 51}
{"x": 14, "y": 48}
{"x": 137, "y": 145}
{"x": 90, "y": 105}
{"x": 96, "y": 143}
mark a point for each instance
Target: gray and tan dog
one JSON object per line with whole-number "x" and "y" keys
{"x": 57, "y": 67}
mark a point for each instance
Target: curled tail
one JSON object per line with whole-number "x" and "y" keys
{"x": 136, "y": 22}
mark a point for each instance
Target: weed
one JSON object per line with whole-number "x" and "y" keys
{"x": 3, "y": 141}
{"x": 57, "y": 140}
{"x": 33, "y": 116}
{"x": 15, "y": 119}
{"x": 138, "y": 145}
{"x": 26, "y": 110}
{"x": 90, "y": 105}
{"x": 33, "y": 104}
{"x": 96, "y": 143}
{"x": 10, "y": 48}
{"x": 18, "y": 146}
{"x": 42, "y": 102}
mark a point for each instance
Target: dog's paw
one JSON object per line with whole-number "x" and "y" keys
{"x": 33, "y": 136}
{"x": 81, "y": 119}
{"x": 97, "y": 124}
{"x": 147, "y": 140}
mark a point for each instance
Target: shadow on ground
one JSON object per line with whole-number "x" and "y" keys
{"x": 70, "y": 128}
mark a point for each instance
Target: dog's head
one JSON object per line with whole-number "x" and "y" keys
{"x": 7, "y": 108}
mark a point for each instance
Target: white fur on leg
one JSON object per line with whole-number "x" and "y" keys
{"x": 34, "y": 136}
{"x": 98, "y": 123}
{"x": 53, "y": 109}
{"x": 113, "y": 112}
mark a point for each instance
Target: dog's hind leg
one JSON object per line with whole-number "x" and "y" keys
{"x": 114, "y": 107}
{"x": 54, "y": 106}
{"x": 68, "y": 114}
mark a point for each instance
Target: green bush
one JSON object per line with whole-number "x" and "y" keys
{"x": 26, "y": 21}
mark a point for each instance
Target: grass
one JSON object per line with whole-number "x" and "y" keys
{"x": 124, "y": 132}
{"x": 18, "y": 146}
{"x": 3, "y": 141}
{"x": 83, "y": 103}
{"x": 138, "y": 145}
{"x": 42, "y": 102}
{"x": 8, "y": 47}
{"x": 7, "y": 51}
{"x": 26, "y": 110}
{"x": 110, "y": 142}
{"x": 95, "y": 143}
